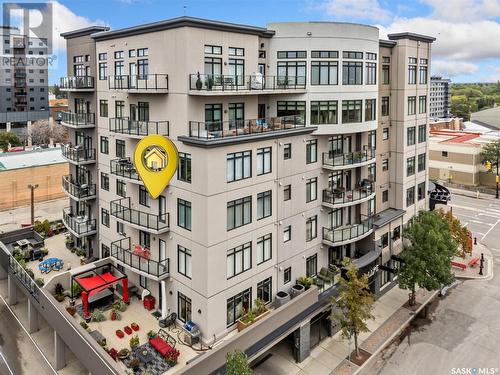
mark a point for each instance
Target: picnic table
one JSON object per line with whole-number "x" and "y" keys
{"x": 51, "y": 263}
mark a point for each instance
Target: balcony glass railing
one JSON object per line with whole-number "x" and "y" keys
{"x": 341, "y": 196}
{"x": 350, "y": 158}
{"x": 124, "y": 168}
{"x": 78, "y": 154}
{"x": 334, "y": 235}
{"x": 235, "y": 128}
{"x": 139, "y": 128}
{"x": 121, "y": 210}
{"x": 257, "y": 82}
{"x": 77, "y": 83}
{"x": 79, "y": 224}
{"x": 122, "y": 251}
{"x": 139, "y": 82}
{"x": 78, "y": 119}
{"x": 78, "y": 190}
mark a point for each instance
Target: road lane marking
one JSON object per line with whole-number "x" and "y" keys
{"x": 6, "y": 364}
{"x": 489, "y": 230}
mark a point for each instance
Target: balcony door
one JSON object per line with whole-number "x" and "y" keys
{"x": 237, "y": 71}
{"x": 83, "y": 175}
{"x": 132, "y": 69}
{"x": 335, "y": 218}
{"x": 144, "y": 239}
{"x": 162, "y": 209}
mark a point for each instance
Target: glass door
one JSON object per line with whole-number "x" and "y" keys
{"x": 133, "y": 75}
{"x": 162, "y": 207}
{"x": 237, "y": 71}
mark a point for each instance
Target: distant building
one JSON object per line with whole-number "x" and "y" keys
{"x": 440, "y": 97}
{"x": 454, "y": 123}
{"x": 57, "y": 106}
{"x": 487, "y": 117}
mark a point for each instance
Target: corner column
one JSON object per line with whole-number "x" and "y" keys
{"x": 302, "y": 342}
{"x": 12, "y": 290}
{"x": 59, "y": 352}
{"x": 32, "y": 317}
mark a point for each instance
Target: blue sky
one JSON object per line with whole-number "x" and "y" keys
{"x": 468, "y": 31}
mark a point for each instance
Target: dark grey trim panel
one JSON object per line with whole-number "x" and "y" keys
{"x": 386, "y": 216}
{"x": 177, "y": 22}
{"x": 209, "y": 143}
{"x": 386, "y": 43}
{"x": 85, "y": 31}
{"x": 412, "y": 36}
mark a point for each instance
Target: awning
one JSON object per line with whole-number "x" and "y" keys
{"x": 368, "y": 258}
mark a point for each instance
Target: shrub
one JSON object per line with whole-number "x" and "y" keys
{"x": 98, "y": 316}
{"x": 45, "y": 251}
{"x": 39, "y": 281}
{"x": 134, "y": 342}
{"x": 260, "y": 306}
{"x": 84, "y": 325}
{"x": 113, "y": 353}
{"x": 237, "y": 363}
{"x": 76, "y": 290}
{"x": 135, "y": 363}
{"x": 305, "y": 281}
{"x": 115, "y": 315}
{"x": 152, "y": 334}
{"x": 171, "y": 356}
{"x": 58, "y": 289}
{"x": 119, "y": 305}
{"x": 71, "y": 310}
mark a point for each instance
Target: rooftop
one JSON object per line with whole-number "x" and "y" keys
{"x": 412, "y": 36}
{"x": 387, "y": 216}
{"x": 27, "y": 159}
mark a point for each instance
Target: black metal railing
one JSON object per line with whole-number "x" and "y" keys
{"x": 139, "y": 128}
{"x": 349, "y": 158}
{"x": 78, "y": 154}
{"x": 120, "y": 209}
{"x": 24, "y": 278}
{"x": 78, "y": 190}
{"x": 334, "y": 235}
{"x": 78, "y": 224}
{"x": 235, "y": 128}
{"x": 256, "y": 82}
{"x": 341, "y": 196}
{"x": 122, "y": 251}
{"x": 77, "y": 83}
{"x": 78, "y": 119}
{"x": 124, "y": 168}
{"x": 138, "y": 82}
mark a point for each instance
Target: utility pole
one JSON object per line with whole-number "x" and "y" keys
{"x": 32, "y": 188}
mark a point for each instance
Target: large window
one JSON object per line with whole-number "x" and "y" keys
{"x": 423, "y": 75}
{"x": 412, "y": 105}
{"x": 386, "y": 74}
{"x": 264, "y": 204}
{"x": 370, "y": 109}
{"x": 311, "y": 228}
{"x": 238, "y": 305}
{"x": 239, "y": 260}
{"x": 120, "y": 148}
{"x": 213, "y": 66}
{"x": 324, "y": 72}
{"x": 292, "y": 108}
{"x": 324, "y": 54}
{"x": 103, "y": 108}
{"x": 421, "y": 162}
{"x": 237, "y": 70}
{"x": 352, "y": 55}
{"x": 412, "y": 74}
{"x": 371, "y": 73}
{"x": 292, "y": 72}
{"x": 239, "y": 212}
{"x": 324, "y": 112}
{"x": 213, "y": 50}
{"x": 105, "y": 217}
{"x": 311, "y": 189}
{"x": 121, "y": 188}
{"x": 264, "y": 248}
{"x": 422, "y": 133}
{"x": 183, "y": 307}
{"x": 410, "y": 196}
{"x": 311, "y": 151}
{"x": 143, "y": 196}
{"x": 292, "y": 54}
{"x": 184, "y": 214}
{"x": 312, "y": 265}
{"x": 184, "y": 170}
{"x": 264, "y": 160}
{"x": 239, "y": 166}
{"x": 352, "y": 73}
{"x": 421, "y": 191}
{"x": 213, "y": 114}
{"x": 104, "y": 181}
{"x": 103, "y": 71}
{"x": 351, "y": 111}
{"x": 410, "y": 166}
{"x": 265, "y": 290}
{"x": 184, "y": 261}
{"x": 410, "y": 136}
{"x": 422, "y": 104}
{"x": 385, "y": 106}
{"x": 104, "y": 145}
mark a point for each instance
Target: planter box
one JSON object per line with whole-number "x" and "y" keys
{"x": 296, "y": 290}
{"x": 281, "y": 298}
{"x": 241, "y": 325}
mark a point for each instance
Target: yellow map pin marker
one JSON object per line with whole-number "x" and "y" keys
{"x": 155, "y": 160}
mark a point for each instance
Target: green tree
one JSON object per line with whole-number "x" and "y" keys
{"x": 427, "y": 258}
{"x": 237, "y": 363}
{"x": 459, "y": 232}
{"x": 491, "y": 153}
{"x": 7, "y": 138}
{"x": 354, "y": 305}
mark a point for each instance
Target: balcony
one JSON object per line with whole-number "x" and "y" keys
{"x": 20, "y": 83}
{"x": 212, "y": 85}
{"x": 347, "y": 234}
{"x": 137, "y": 259}
{"x": 349, "y": 160}
{"x": 138, "y": 129}
{"x": 78, "y": 120}
{"x": 83, "y": 83}
{"x": 21, "y": 103}
{"x": 149, "y": 83}
{"x": 78, "y": 155}
{"x": 339, "y": 197}
{"x": 78, "y": 192}
{"x": 156, "y": 224}
{"x": 79, "y": 226}
{"x": 125, "y": 168}
{"x": 20, "y": 93}
{"x": 20, "y": 75}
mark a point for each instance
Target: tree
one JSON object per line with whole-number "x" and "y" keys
{"x": 427, "y": 258}
{"x": 237, "y": 363}
{"x": 491, "y": 152}
{"x": 354, "y": 304}
{"x": 59, "y": 134}
{"x": 8, "y": 138}
{"x": 40, "y": 132}
{"x": 459, "y": 233}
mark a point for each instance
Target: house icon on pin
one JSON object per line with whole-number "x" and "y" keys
{"x": 155, "y": 159}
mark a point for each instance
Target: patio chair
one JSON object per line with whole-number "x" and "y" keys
{"x": 168, "y": 321}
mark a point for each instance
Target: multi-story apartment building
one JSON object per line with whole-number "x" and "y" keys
{"x": 299, "y": 144}
{"x": 440, "y": 97}
{"x": 24, "y": 80}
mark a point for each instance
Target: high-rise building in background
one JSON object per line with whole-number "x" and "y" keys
{"x": 440, "y": 97}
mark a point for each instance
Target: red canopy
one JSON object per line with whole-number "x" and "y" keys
{"x": 94, "y": 284}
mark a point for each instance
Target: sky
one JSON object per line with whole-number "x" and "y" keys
{"x": 467, "y": 48}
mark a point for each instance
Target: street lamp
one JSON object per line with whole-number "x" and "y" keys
{"x": 32, "y": 188}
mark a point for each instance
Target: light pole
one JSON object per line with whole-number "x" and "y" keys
{"x": 32, "y": 187}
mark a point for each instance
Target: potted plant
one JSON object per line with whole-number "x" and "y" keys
{"x": 199, "y": 84}
{"x": 282, "y": 297}
{"x": 39, "y": 281}
{"x": 119, "y": 333}
{"x": 296, "y": 290}
{"x": 305, "y": 281}
{"x": 113, "y": 353}
{"x": 258, "y": 312}
{"x": 135, "y": 364}
{"x": 84, "y": 325}
{"x": 210, "y": 82}
{"x": 134, "y": 326}
{"x": 172, "y": 356}
{"x": 134, "y": 342}
{"x": 115, "y": 315}
{"x": 98, "y": 316}
{"x": 70, "y": 243}
{"x": 71, "y": 310}
{"x": 123, "y": 353}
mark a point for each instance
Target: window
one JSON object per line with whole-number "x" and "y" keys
{"x": 311, "y": 151}
{"x": 121, "y": 188}
{"x": 143, "y": 281}
{"x": 264, "y": 290}
{"x": 311, "y": 228}
{"x": 292, "y": 108}
{"x": 239, "y": 260}
{"x": 423, "y": 75}
{"x": 141, "y": 52}
{"x": 239, "y": 212}
{"x": 120, "y": 148}
{"x": 422, "y": 133}
{"x": 292, "y": 54}
{"x": 119, "y": 109}
{"x": 264, "y": 160}
{"x": 103, "y": 71}
{"x": 264, "y": 204}
{"x": 262, "y": 54}
{"x": 238, "y": 305}
{"x": 410, "y": 136}
{"x": 264, "y": 248}
{"x": 423, "y": 61}
{"x": 370, "y": 109}
{"x": 324, "y": 54}
{"x": 324, "y": 112}
{"x": 385, "y": 106}
{"x": 312, "y": 265}
{"x": 385, "y": 164}
{"x": 421, "y": 191}
{"x": 410, "y": 196}
{"x": 239, "y": 166}
{"x": 120, "y": 228}
{"x": 324, "y": 73}
{"x": 143, "y": 196}
{"x": 184, "y": 214}
{"x": 386, "y": 74}
{"x": 412, "y": 74}
{"x": 352, "y": 55}
{"x": 104, "y": 145}
{"x": 183, "y": 307}
{"x": 104, "y": 251}
{"x": 287, "y": 275}
{"x": 292, "y": 72}
{"x": 412, "y": 105}
{"x": 352, "y": 73}
{"x": 371, "y": 56}
{"x": 311, "y": 189}
{"x": 103, "y": 108}
{"x": 351, "y": 111}
{"x": 410, "y": 166}
{"x": 103, "y": 56}
{"x": 233, "y": 51}
{"x": 421, "y": 162}
{"x": 444, "y": 154}
{"x": 287, "y": 151}
{"x": 104, "y": 181}
{"x": 105, "y": 217}
{"x": 371, "y": 73}
{"x": 287, "y": 192}
{"x": 422, "y": 104}
{"x": 384, "y": 240}
{"x": 372, "y": 172}
{"x": 184, "y": 261}
{"x": 287, "y": 233}
{"x": 385, "y": 196}
{"x": 385, "y": 134}
{"x": 184, "y": 170}
{"x": 213, "y": 50}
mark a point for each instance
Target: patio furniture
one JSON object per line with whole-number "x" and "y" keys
{"x": 168, "y": 321}
{"x": 144, "y": 355}
{"x": 163, "y": 342}
{"x": 326, "y": 275}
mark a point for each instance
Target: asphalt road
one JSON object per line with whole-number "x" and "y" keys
{"x": 463, "y": 329}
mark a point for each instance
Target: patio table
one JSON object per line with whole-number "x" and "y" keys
{"x": 144, "y": 355}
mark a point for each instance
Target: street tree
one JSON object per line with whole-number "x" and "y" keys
{"x": 491, "y": 153}
{"x": 427, "y": 257}
{"x": 8, "y": 138}
{"x": 237, "y": 363}
{"x": 40, "y": 132}
{"x": 59, "y": 134}
{"x": 459, "y": 233}
{"x": 353, "y": 308}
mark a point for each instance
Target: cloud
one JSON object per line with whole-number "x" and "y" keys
{"x": 459, "y": 10}
{"x": 447, "y": 68}
{"x": 355, "y": 10}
